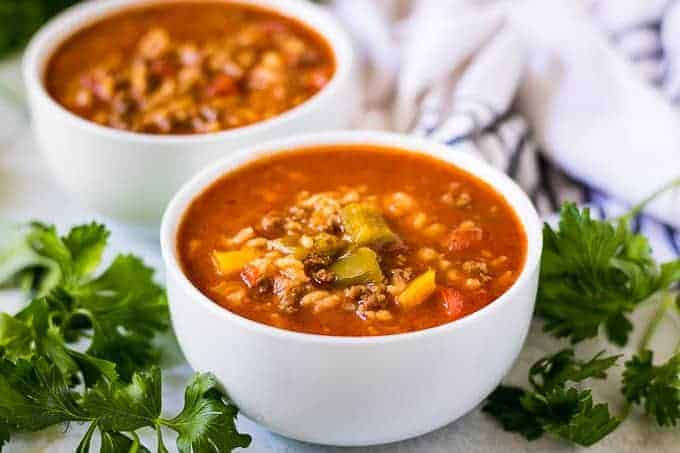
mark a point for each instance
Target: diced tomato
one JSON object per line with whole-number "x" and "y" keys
{"x": 162, "y": 68}
{"x": 317, "y": 79}
{"x": 250, "y": 275}
{"x": 272, "y": 26}
{"x": 221, "y": 85}
{"x": 464, "y": 238}
{"x": 454, "y": 302}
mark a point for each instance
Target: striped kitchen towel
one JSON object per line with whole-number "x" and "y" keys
{"x": 453, "y": 70}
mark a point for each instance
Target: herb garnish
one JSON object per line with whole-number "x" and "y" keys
{"x": 19, "y": 19}
{"x": 113, "y": 317}
{"x": 594, "y": 273}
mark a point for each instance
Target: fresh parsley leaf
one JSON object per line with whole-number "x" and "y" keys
{"x": 655, "y": 387}
{"x": 126, "y": 309}
{"x": 35, "y": 257}
{"x": 552, "y": 405}
{"x": 86, "y": 244}
{"x": 35, "y": 394}
{"x": 206, "y": 424}
{"x": 569, "y": 414}
{"x": 554, "y": 371}
{"x": 120, "y": 443}
{"x": 21, "y": 266}
{"x": 4, "y": 433}
{"x": 19, "y": 19}
{"x": 505, "y": 405}
{"x": 44, "y": 381}
{"x": 593, "y": 274}
{"x": 118, "y": 312}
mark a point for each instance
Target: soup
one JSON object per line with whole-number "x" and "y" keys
{"x": 351, "y": 241}
{"x": 152, "y": 70}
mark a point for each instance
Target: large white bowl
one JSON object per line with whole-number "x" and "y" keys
{"x": 131, "y": 176}
{"x": 353, "y": 390}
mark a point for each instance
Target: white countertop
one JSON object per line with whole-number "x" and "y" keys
{"x": 27, "y": 192}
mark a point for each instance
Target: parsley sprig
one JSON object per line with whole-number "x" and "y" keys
{"x": 82, "y": 349}
{"x": 554, "y": 404}
{"x": 35, "y": 395}
{"x": 594, "y": 274}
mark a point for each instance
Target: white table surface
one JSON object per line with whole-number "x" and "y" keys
{"x": 27, "y": 192}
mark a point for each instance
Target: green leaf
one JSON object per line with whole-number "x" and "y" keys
{"x": 21, "y": 18}
{"x": 126, "y": 309}
{"x": 206, "y": 423}
{"x": 94, "y": 369}
{"x": 16, "y": 338}
{"x": 4, "y": 434}
{"x": 505, "y": 404}
{"x": 656, "y": 387}
{"x": 593, "y": 273}
{"x": 84, "y": 444}
{"x": 45, "y": 241}
{"x": 86, "y": 244}
{"x": 554, "y": 407}
{"x": 34, "y": 395}
{"x": 556, "y": 370}
{"x": 126, "y": 407}
{"x": 21, "y": 266}
{"x": 570, "y": 415}
{"x": 120, "y": 443}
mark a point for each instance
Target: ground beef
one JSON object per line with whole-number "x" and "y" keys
{"x": 289, "y": 298}
{"x": 272, "y": 224}
{"x": 323, "y": 277}
{"x": 316, "y": 261}
{"x": 368, "y": 297}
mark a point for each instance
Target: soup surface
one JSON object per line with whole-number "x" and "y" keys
{"x": 188, "y": 67}
{"x": 351, "y": 241}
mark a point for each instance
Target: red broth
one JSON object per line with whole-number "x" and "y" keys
{"x": 351, "y": 241}
{"x": 151, "y": 70}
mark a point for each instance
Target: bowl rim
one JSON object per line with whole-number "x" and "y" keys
{"x": 43, "y": 45}
{"x": 460, "y": 156}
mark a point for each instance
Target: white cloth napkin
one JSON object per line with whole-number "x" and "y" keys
{"x": 455, "y": 70}
{"x": 591, "y": 111}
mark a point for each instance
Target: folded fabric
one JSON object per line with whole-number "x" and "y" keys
{"x": 591, "y": 111}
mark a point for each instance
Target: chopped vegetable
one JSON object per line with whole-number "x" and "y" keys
{"x": 289, "y": 245}
{"x": 464, "y": 238}
{"x": 327, "y": 244}
{"x": 231, "y": 262}
{"x": 419, "y": 290}
{"x": 357, "y": 267}
{"x": 366, "y": 226}
{"x": 454, "y": 302}
{"x": 323, "y": 243}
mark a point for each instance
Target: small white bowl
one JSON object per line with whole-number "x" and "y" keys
{"x": 131, "y": 176}
{"x": 353, "y": 390}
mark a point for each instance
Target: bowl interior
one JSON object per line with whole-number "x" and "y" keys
{"x": 460, "y": 156}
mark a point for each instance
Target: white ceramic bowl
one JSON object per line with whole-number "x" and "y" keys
{"x": 131, "y": 176}
{"x": 353, "y": 390}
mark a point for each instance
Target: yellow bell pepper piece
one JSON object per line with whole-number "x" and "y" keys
{"x": 231, "y": 262}
{"x": 419, "y": 290}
